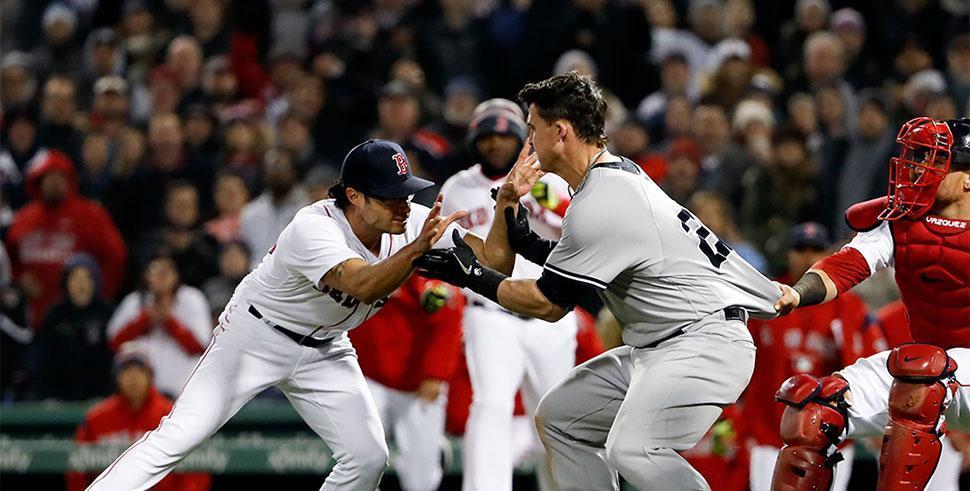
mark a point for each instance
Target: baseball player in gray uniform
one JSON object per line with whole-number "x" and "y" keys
{"x": 286, "y": 325}
{"x": 681, "y": 295}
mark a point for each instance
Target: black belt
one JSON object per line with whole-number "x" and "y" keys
{"x": 307, "y": 341}
{"x": 732, "y": 313}
{"x": 479, "y": 303}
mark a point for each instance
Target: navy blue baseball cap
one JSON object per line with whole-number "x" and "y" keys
{"x": 809, "y": 235}
{"x": 380, "y": 168}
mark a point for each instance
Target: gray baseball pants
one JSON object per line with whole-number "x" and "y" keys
{"x": 630, "y": 410}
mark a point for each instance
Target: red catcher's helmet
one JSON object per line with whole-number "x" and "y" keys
{"x": 916, "y": 173}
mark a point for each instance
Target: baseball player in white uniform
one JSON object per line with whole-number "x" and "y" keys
{"x": 504, "y": 350}
{"x": 332, "y": 267}
{"x": 681, "y": 295}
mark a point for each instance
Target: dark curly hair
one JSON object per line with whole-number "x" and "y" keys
{"x": 573, "y": 97}
{"x": 338, "y": 192}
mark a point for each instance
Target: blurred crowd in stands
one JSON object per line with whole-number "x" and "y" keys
{"x": 152, "y": 150}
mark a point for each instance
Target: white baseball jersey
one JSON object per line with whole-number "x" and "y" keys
{"x": 286, "y": 286}
{"x": 470, "y": 190}
{"x": 656, "y": 266}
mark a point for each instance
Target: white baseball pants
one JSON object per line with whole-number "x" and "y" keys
{"x": 505, "y": 352}
{"x": 418, "y": 428}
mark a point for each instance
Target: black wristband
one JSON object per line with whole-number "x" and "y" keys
{"x": 811, "y": 289}
{"x": 487, "y": 283}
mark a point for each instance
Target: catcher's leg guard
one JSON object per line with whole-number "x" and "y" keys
{"x": 923, "y": 386}
{"x": 812, "y": 426}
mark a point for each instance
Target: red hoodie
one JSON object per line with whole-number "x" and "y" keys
{"x": 42, "y": 237}
{"x": 114, "y": 421}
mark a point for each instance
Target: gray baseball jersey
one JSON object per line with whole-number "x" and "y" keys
{"x": 654, "y": 264}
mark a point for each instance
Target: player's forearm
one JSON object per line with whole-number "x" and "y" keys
{"x": 524, "y": 297}
{"x": 497, "y": 253}
{"x": 372, "y": 282}
{"x": 844, "y": 269}
{"x": 815, "y": 287}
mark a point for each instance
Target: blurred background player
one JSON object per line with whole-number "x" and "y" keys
{"x": 817, "y": 341}
{"x": 526, "y": 447}
{"x": 504, "y": 351}
{"x": 922, "y": 229}
{"x": 408, "y": 352}
{"x": 135, "y": 408}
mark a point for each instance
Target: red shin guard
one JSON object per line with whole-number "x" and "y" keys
{"x": 911, "y": 447}
{"x": 812, "y": 425}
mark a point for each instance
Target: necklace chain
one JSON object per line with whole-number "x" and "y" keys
{"x": 589, "y": 167}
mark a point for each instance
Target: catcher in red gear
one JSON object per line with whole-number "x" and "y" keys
{"x": 911, "y": 393}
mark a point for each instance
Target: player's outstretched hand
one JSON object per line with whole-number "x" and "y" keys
{"x": 435, "y": 226}
{"x": 457, "y": 265}
{"x": 788, "y": 301}
{"x": 522, "y": 177}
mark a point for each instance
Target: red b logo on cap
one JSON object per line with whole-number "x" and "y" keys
{"x": 402, "y": 164}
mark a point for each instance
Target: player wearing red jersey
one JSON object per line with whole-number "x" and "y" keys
{"x": 908, "y": 393}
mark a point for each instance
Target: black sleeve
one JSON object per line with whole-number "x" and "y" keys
{"x": 537, "y": 250}
{"x": 523, "y": 240}
{"x": 560, "y": 290}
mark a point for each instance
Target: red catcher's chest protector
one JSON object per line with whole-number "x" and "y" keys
{"x": 932, "y": 256}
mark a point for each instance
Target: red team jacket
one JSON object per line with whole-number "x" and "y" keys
{"x": 403, "y": 344}
{"x": 931, "y": 256}
{"x": 113, "y": 421}
{"x": 42, "y": 238}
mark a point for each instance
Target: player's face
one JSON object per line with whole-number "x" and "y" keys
{"x": 498, "y": 151}
{"x": 387, "y": 215}
{"x": 955, "y": 185}
{"x": 545, "y": 138}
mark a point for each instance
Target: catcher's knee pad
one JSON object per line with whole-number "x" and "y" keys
{"x": 923, "y": 386}
{"x": 812, "y": 426}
